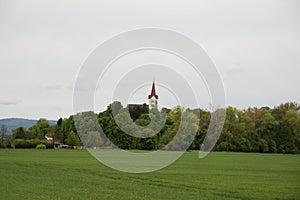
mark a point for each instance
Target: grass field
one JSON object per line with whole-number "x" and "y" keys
{"x": 75, "y": 174}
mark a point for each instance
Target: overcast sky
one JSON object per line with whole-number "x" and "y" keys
{"x": 255, "y": 45}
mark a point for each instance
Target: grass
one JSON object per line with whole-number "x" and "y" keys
{"x": 75, "y": 174}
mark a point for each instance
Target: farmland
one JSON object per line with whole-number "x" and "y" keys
{"x": 75, "y": 174}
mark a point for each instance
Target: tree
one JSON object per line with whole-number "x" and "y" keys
{"x": 3, "y": 132}
{"x": 202, "y": 128}
{"x": 94, "y": 139}
{"x": 43, "y": 126}
{"x": 123, "y": 130}
{"x": 288, "y": 136}
{"x": 272, "y": 146}
{"x": 19, "y": 133}
{"x": 143, "y": 120}
{"x": 268, "y": 124}
{"x": 279, "y": 111}
{"x": 115, "y": 107}
{"x": 67, "y": 126}
{"x": 255, "y": 129}
{"x": 34, "y": 132}
{"x": 72, "y": 139}
{"x": 59, "y": 122}
{"x": 182, "y": 130}
{"x": 172, "y": 126}
{"x": 137, "y": 110}
{"x": 263, "y": 145}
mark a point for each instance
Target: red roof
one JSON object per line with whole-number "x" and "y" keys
{"x": 153, "y": 92}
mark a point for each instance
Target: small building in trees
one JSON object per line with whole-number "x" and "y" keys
{"x": 56, "y": 144}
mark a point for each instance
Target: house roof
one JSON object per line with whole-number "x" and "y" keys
{"x": 57, "y": 142}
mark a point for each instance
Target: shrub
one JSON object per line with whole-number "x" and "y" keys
{"x": 32, "y": 143}
{"x": 263, "y": 146}
{"x": 40, "y": 146}
{"x": 223, "y": 146}
{"x": 19, "y": 143}
{"x": 6, "y": 144}
{"x": 272, "y": 146}
{"x": 49, "y": 145}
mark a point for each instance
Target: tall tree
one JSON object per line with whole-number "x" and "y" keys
{"x": 34, "y": 132}
{"x": 279, "y": 111}
{"x": 3, "y": 132}
{"x": 289, "y": 133}
{"x": 43, "y": 125}
{"x": 72, "y": 139}
{"x": 19, "y": 133}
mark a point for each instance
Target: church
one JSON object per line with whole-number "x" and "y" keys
{"x": 153, "y": 97}
{"x": 136, "y": 110}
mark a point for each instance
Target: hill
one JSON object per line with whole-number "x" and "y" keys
{"x": 12, "y": 123}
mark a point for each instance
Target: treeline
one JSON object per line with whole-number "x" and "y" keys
{"x": 273, "y": 130}
{"x": 62, "y": 132}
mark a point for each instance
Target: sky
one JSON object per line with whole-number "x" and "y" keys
{"x": 255, "y": 46}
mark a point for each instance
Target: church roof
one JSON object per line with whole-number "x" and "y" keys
{"x": 153, "y": 92}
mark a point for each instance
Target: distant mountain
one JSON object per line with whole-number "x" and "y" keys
{"x": 12, "y": 123}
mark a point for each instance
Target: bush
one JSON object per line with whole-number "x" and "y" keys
{"x": 49, "y": 145}
{"x": 223, "y": 146}
{"x": 263, "y": 146}
{"x": 21, "y": 143}
{"x": 6, "y": 144}
{"x": 40, "y": 146}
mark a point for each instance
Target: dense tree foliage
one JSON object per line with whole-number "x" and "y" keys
{"x": 255, "y": 129}
{"x": 73, "y": 139}
{"x": 3, "y": 131}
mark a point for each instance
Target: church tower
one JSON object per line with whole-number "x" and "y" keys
{"x": 153, "y": 97}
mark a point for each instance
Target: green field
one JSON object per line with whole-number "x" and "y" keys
{"x": 75, "y": 174}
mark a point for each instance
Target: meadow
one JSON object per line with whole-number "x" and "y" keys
{"x": 75, "y": 174}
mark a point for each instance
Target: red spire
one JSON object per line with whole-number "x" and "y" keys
{"x": 153, "y": 92}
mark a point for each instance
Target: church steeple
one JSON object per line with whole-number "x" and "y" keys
{"x": 153, "y": 92}
{"x": 153, "y": 97}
